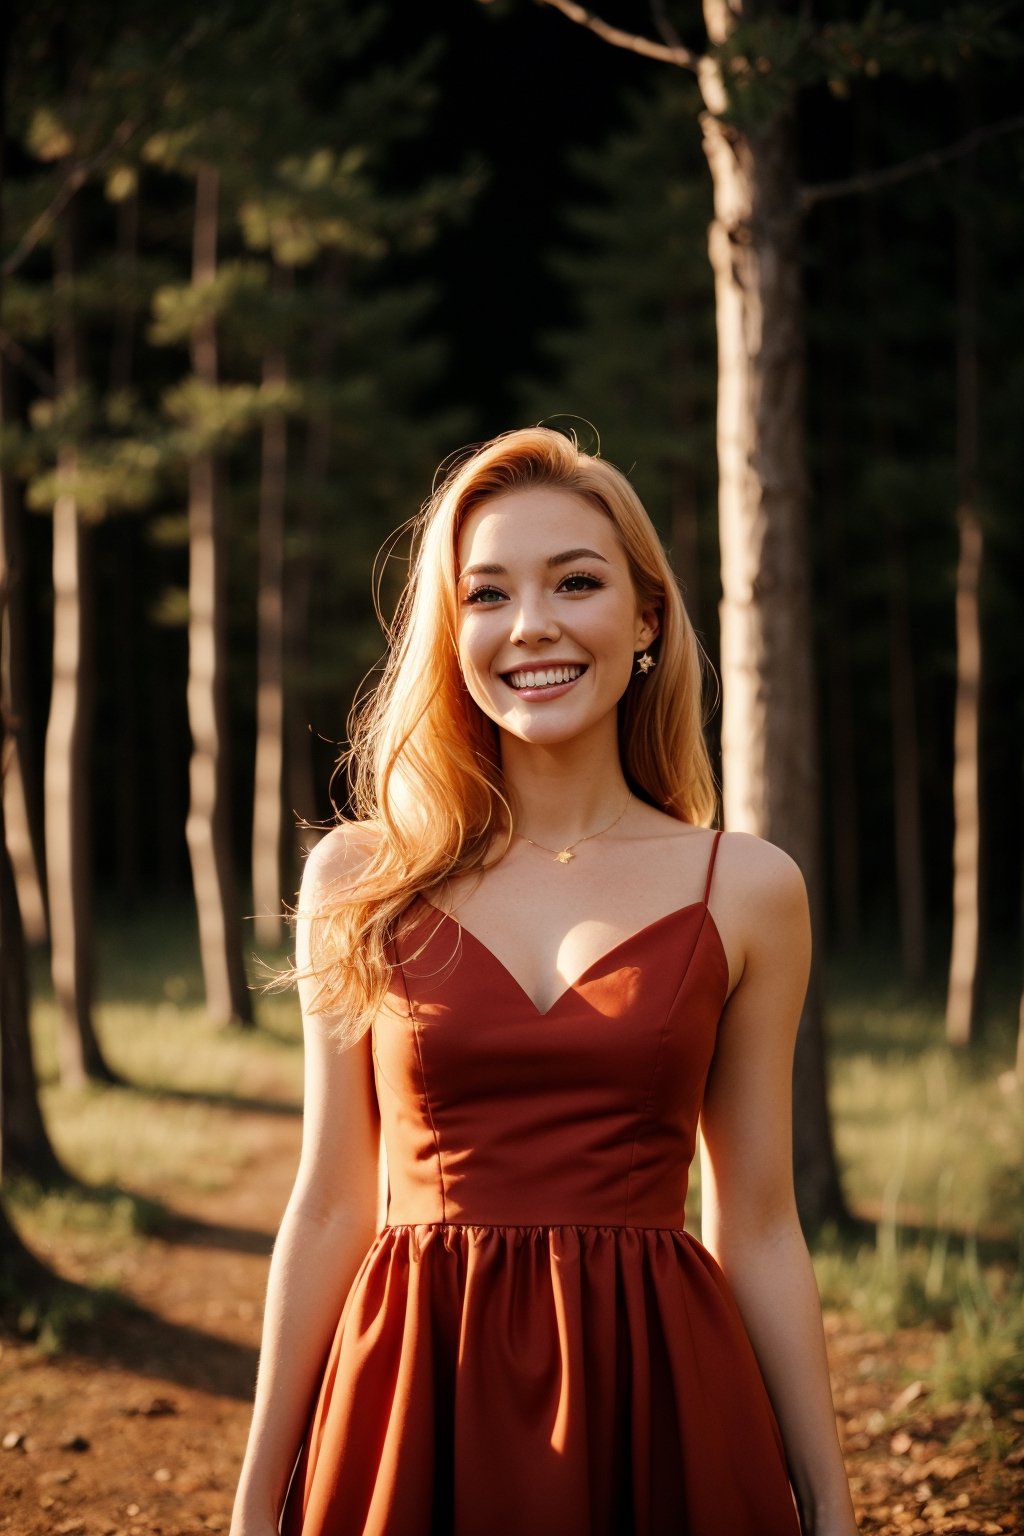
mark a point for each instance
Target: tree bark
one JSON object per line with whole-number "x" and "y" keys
{"x": 965, "y": 970}
{"x": 128, "y": 659}
{"x": 906, "y": 750}
{"x": 208, "y": 828}
{"x": 302, "y": 798}
{"x": 299, "y": 570}
{"x": 25, "y": 1146}
{"x": 840, "y": 692}
{"x": 684, "y": 508}
{"x": 22, "y": 808}
{"x": 768, "y": 720}
{"x": 69, "y": 730}
{"x": 268, "y": 798}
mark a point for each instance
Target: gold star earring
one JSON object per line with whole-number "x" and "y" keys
{"x": 645, "y": 663}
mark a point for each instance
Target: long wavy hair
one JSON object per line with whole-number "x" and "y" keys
{"x": 424, "y": 764}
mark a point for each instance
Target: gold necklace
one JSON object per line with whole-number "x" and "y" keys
{"x": 564, "y": 855}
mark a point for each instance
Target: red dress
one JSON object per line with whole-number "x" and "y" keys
{"x": 533, "y": 1346}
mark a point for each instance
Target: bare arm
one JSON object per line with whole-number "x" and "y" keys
{"x": 328, "y": 1224}
{"x": 749, "y": 1212}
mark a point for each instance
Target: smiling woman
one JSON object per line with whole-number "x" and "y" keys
{"x": 518, "y": 1005}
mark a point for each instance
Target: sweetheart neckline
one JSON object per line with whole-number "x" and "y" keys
{"x": 574, "y": 986}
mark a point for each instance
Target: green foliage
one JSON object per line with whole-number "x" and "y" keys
{"x": 637, "y": 359}
{"x": 767, "y": 60}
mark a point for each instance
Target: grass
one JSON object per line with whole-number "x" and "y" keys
{"x": 173, "y": 1121}
{"x": 931, "y": 1142}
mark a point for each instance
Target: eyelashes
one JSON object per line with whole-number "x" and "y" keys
{"x": 575, "y": 582}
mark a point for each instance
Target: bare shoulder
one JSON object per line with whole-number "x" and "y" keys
{"x": 759, "y": 903}
{"x": 336, "y": 862}
{"x": 758, "y": 871}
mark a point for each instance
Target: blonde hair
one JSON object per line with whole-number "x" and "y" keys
{"x": 424, "y": 765}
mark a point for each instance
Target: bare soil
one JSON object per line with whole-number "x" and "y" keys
{"x": 139, "y": 1428}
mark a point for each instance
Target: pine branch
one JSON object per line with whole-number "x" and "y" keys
{"x": 683, "y": 58}
{"x": 889, "y": 176}
{"x": 79, "y": 173}
{"x": 73, "y": 181}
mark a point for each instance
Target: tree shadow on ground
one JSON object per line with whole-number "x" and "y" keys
{"x": 132, "y": 1338}
{"x": 113, "y": 1332}
{"x": 193, "y": 1232}
{"x": 215, "y": 1099}
{"x": 861, "y": 1229}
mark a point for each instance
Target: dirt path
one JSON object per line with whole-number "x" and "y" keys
{"x": 142, "y": 1432}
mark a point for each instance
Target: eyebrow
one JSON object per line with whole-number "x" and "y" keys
{"x": 565, "y": 558}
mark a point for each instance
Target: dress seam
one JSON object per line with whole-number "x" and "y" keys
{"x": 536, "y": 1226}
{"x": 648, "y": 1099}
{"x": 415, "y": 1023}
{"x": 430, "y": 1116}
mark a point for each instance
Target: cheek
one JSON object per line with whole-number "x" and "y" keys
{"x": 474, "y": 656}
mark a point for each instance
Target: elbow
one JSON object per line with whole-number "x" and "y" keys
{"x": 748, "y": 1238}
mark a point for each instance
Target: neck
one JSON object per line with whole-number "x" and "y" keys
{"x": 559, "y": 794}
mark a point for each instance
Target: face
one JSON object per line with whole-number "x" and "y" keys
{"x": 549, "y": 625}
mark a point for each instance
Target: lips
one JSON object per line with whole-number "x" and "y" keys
{"x": 544, "y": 677}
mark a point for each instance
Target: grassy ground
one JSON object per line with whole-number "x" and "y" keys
{"x": 931, "y": 1142}
{"x": 185, "y": 1167}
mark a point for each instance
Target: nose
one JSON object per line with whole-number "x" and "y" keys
{"x": 534, "y": 621}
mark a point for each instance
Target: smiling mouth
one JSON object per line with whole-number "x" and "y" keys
{"x": 542, "y": 677}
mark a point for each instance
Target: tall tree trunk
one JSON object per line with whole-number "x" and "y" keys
{"x": 128, "y": 656}
{"x": 168, "y": 795}
{"x": 22, "y": 807}
{"x": 965, "y": 969}
{"x": 768, "y": 720}
{"x": 906, "y": 751}
{"x": 1020, "y": 1005}
{"x": 302, "y": 796}
{"x": 24, "y": 1144}
{"x": 684, "y": 509}
{"x": 69, "y": 728}
{"x": 208, "y": 828}
{"x": 840, "y": 692}
{"x": 25, "y": 1147}
{"x": 268, "y": 799}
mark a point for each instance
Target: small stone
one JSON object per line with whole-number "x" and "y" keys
{"x": 907, "y": 1396}
{"x": 14, "y": 1440}
{"x": 162, "y": 1475}
{"x": 132, "y": 1510}
{"x": 59, "y": 1475}
{"x": 900, "y": 1443}
{"x": 156, "y": 1408}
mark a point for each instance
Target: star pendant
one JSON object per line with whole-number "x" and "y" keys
{"x": 564, "y": 857}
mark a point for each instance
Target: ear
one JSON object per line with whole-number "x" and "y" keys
{"x": 648, "y": 627}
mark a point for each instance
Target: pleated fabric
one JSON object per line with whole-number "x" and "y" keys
{"x": 533, "y": 1346}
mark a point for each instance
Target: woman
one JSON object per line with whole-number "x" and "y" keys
{"x": 543, "y": 966}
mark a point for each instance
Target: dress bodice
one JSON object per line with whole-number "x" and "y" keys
{"x": 495, "y": 1113}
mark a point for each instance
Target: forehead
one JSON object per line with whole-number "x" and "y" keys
{"x": 533, "y": 524}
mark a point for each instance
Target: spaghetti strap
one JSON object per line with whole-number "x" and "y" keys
{"x": 711, "y": 865}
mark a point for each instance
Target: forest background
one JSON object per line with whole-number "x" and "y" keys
{"x": 261, "y": 273}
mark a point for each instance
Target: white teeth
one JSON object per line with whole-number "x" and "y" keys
{"x": 546, "y": 679}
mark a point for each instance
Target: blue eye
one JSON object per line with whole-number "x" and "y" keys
{"x": 580, "y": 581}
